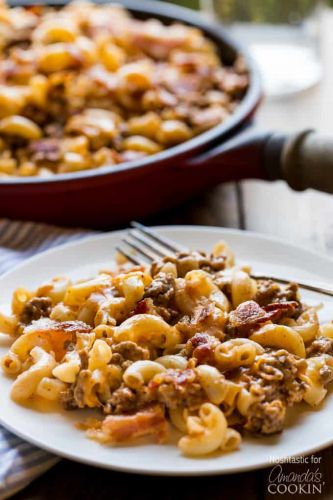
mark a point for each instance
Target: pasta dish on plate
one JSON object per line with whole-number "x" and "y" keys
{"x": 191, "y": 342}
{"x": 88, "y": 85}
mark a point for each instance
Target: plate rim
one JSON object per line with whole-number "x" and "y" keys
{"x": 168, "y": 473}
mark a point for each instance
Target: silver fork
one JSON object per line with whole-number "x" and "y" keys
{"x": 149, "y": 246}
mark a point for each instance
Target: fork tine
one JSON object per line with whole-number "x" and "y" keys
{"x": 129, "y": 257}
{"x": 162, "y": 240}
{"x": 149, "y": 243}
{"x": 145, "y": 252}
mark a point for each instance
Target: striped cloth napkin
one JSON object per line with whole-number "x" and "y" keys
{"x": 20, "y": 462}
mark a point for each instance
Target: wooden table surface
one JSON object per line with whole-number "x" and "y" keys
{"x": 303, "y": 218}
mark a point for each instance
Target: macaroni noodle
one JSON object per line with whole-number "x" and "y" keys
{"x": 191, "y": 339}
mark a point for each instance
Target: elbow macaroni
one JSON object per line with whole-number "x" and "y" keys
{"x": 206, "y": 432}
{"x": 141, "y": 372}
{"x": 315, "y": 390}
{"x": 97, "y": 84}
{"x": 197, "y": 346}
{"x": 147, "y": 329}
{"x": 280, "y": 336}
{"x": 236, "y": 352}
{"x": 27, "y": 382}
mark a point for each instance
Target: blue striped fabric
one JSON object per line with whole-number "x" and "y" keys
{"x": 20, "y": 462}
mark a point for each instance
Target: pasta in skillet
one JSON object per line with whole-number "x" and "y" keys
{"x": 85, "y": 86}
{"x": 190, "y": 341}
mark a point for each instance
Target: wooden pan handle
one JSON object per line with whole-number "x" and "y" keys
{"x": 307, "y": 161}
{"x": 304, "y": 160}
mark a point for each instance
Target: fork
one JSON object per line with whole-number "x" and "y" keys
{"x": 149, "y": 246}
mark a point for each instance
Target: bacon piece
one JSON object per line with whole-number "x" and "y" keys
{"x": 204, "y": 354}
{"x": 176, "y": 377}
{"x": 278, "y": 309}
{"x": 249, "y": 315}
{"x": 55, "y": 336}
{"x": 149, "y": 421}
{"x": 201, "y": 347}
{"x": 209, "y": 117}
{"x": 103, "y": 77}
{"x": 46, "y": 150}
{"x": 62, "y": 326}
{"x": 155, "y": 40}
{"x": 142, "y": 307}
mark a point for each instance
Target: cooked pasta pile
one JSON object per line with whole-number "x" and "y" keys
{"x": 191, "y": 341}
{"x": 88, "y": 85}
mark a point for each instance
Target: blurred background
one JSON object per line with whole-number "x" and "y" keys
{"x": 292, "y": 42}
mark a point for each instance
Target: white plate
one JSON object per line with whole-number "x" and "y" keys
{"x": 307, "y": 430}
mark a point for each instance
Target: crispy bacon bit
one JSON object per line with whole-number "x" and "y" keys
{"x": 46, "y": 150}
{"x": 204, "y": 354}
{"x": 199, "y": 339}
{"x": 247, "y": 315}
{"x": 155, "y": 41}
{"x": 204, "y": 318}
{"x": 148, "y": 421}
{"x": 142, "y": 307}
{"x": 103, "y": 77}
{"x": 148, "y": 306}
{"x": 201, "y": 347}
{"x": 56, "y": 335}
{"x": 278, "y": 309}
{"x": 62, "y": 326}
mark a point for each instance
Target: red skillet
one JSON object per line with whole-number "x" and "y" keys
{"x": 112, "y": 195}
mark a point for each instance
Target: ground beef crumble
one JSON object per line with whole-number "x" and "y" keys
{"x": 275, "y": 379}
{"x": 176, "y": 388}
{"x": 201, "y": 347}
{"x": 161, "y": 289}
{"x": 125, "y": 400}
{"x": 204, "y": 318}
{"x": 36, "y": 308}
{"x": 266, "y": 417}
{"x": 320, "y": 345}
{"x": 128, "y": 351}
{"x": 161, "y": 293}
{"x": 268, "y": 291}
{"x": 188, "y": 261}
